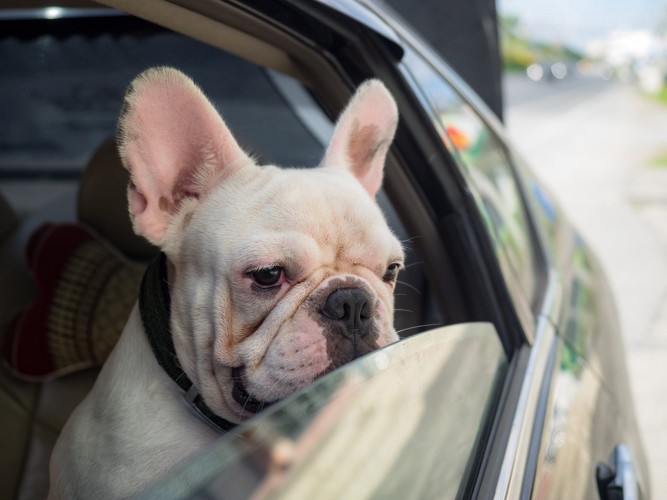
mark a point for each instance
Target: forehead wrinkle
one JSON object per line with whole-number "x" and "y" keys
{"x": 288, "y": 248}
{"x": 337, "y": 213}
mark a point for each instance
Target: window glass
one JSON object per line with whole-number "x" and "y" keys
{"x": 404, "y": 422}
{"x": 61, "y": 96}
{"x": 487, "y": 168}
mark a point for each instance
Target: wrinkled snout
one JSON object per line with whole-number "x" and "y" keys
{"x": 351, "y": 309}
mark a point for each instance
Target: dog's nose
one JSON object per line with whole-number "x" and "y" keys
{"x": 352, "y": 308}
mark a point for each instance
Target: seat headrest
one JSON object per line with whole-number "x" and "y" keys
{"x": 102, "y": 202}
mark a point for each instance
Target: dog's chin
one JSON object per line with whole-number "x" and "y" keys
{"x": 247, "y": 402}
{"x": 252, "y": 404}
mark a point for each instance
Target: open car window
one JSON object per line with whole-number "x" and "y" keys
{"x": 402, "y": 422}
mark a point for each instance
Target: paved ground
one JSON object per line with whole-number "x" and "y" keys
{"x": 593, "y": 143}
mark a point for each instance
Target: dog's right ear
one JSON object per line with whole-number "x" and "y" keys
{"x": 175, "y": 146}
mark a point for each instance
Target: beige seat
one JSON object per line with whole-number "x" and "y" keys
{"x": 102, "y": 202}
{"x": 32, "y": 414}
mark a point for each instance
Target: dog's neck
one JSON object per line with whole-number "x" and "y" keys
{"x": 154, "y": 306}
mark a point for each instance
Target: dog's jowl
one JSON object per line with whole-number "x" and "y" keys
{"x": 268, "y": 277}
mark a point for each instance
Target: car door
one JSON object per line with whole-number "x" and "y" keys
{"x": 578, "y": 427}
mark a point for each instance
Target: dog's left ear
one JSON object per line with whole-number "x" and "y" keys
{"x": 363, "y": 135}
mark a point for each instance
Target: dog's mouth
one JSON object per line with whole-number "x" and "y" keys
{"x": 241, "y": 396}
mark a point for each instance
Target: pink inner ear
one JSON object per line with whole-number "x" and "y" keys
{"x": 175, "y": 145}
{"x": 138, "y": 202}
{"x": 363, "y": 135}
{"x": 366, "y": 143}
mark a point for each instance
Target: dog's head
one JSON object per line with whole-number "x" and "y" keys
{"x": 277, "y": 275}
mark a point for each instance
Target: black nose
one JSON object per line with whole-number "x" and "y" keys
{"x": 351, "y": 308}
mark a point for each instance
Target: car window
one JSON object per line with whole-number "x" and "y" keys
{"x": 60, "y": 97}
{"x": 485, "y": 164}
{"x": 403, "y": 422}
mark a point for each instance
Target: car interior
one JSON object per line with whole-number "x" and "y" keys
{"x": 63, "y": 215}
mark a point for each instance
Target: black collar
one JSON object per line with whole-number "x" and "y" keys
{"x": 155, "y": 307}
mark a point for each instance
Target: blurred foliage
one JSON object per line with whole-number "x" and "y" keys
{"x": 661, "y": 95}
{"x": 518, "y": 51}
{"x": 659, "y": 161}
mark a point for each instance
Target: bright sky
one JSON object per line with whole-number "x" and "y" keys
{"x": 577, "y": 22}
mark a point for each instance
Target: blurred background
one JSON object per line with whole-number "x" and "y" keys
{"x": 585, "y": 100}
{"x": 581, "y": 88}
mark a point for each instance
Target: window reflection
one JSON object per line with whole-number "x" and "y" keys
{"x": 485, "y": 164}
{"x": 409, "y": 421}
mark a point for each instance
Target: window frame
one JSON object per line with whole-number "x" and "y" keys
{"x": 437, "y": 175}
{"x": 520, "y": 297}
{"x": 508, "y": 466}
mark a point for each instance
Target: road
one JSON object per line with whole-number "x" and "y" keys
{"x": 594, "y": 143}
{"x": 519, "y": 91}
{"x": 591, "y": 142}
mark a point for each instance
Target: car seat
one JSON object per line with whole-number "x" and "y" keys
{"x": 31, "y": 413}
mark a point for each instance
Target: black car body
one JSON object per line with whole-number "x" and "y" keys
{"x": 510, "y": 381}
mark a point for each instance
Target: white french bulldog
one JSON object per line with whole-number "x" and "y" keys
{"x": 276, "y": 276}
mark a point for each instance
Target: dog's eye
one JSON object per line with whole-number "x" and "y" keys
{"x": 392, "y": 272}
{"x": 266, "y": 277}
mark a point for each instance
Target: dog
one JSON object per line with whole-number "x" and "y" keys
{"x": 274, "y": 277}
